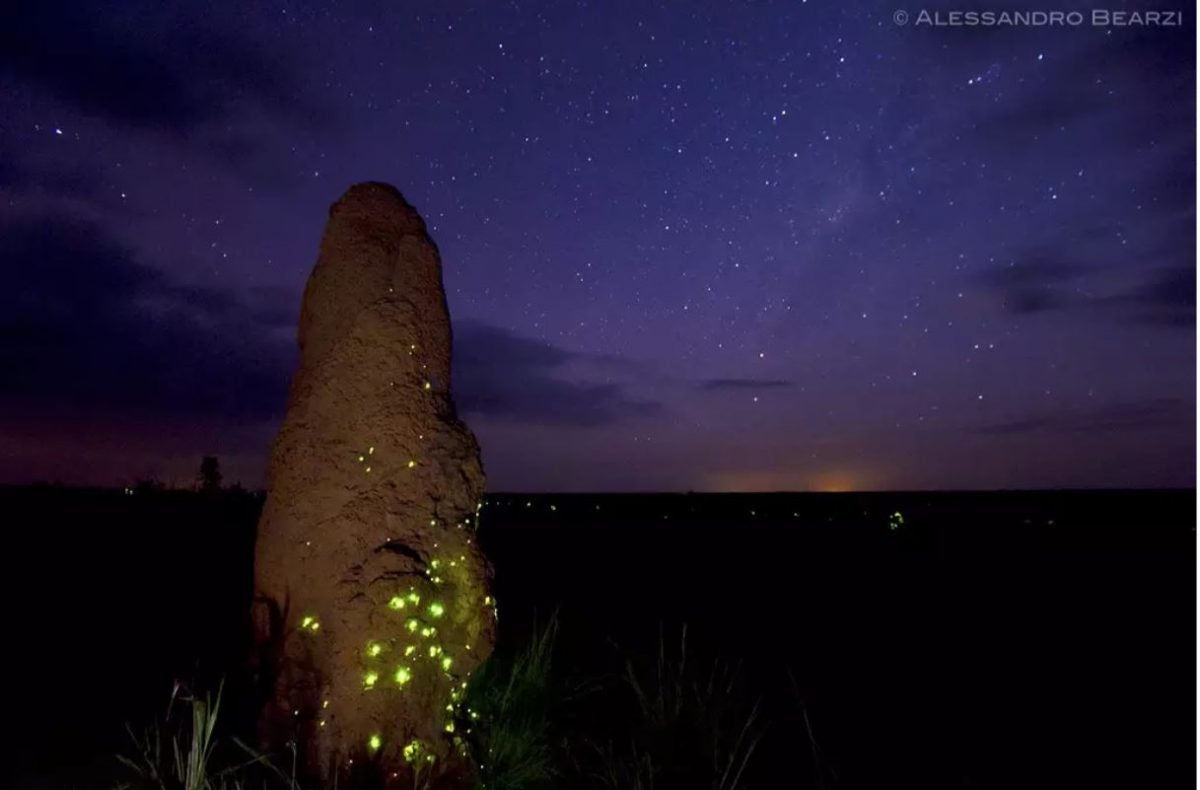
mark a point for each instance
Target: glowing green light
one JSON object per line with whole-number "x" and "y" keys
{"x": 434, "y": 650}
{"x": 374, "y": 649}
{"x": 396, "y": 602}
{"x": 449, "y": 726}
{"x": 413, "y": 598}
{"x": 374, "y": 742}
{"x": 412, "y": 751}
{"x": 308, "y": 622}
{"x": 487, "y": 600}
{"x": 428, "y": 631}
{"x": 446, "y": 662}
{"x": 403, "y": 675}
{"x": 434, "y": 563}
{"x": 436, "y": 609}
{"x": 412, "y": 624}
{"x": 408, "y": 651}
{"x": 370, "y": 678}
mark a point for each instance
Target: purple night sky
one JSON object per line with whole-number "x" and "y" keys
{"x": 702, "y": 245}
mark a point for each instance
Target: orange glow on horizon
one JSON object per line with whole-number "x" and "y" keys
{"x": 765, "y": 480}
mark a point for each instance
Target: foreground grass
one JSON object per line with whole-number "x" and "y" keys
{"x": 676, "y": 721}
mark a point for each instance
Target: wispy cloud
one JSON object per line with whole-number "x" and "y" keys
{"x": 744, "y": 385}
{"x": 1128, "y": 415}
{"x": 501, "y": 375}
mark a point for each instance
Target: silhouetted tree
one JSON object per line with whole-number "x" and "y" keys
{"x": 210, "y": 474}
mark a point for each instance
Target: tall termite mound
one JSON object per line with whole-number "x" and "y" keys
{"x": 371, "y": 591}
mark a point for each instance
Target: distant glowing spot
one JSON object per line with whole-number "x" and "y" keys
{"x": 368, "y": 470}
{"x": 412, "y": 751}
{"x": 413, "y": 597}
{"x": 412, "y": 624}
{"x": 370, "y": 679}
{"x": 411, "y": 464}
{"x": 436, "y": 609}
{"x": 434, "y": 564}
{"x": 428, "y": 631}
{"x": 449, "y": 726}
{"x": 361, "y": 459}
{"x": 434, "y": 650}
{"x": 374, "y": 742}
{"x": 487, "y": 600}
{"x": 446, "y": 663}
{"x": 408, "y": 651}
{"x": 321, "y": 723}
{"x": 374, "y": 649}
{"x": 396, "y": 602}
{"x": 428, "y": 385}
{"x": 403, "y": 675}
{"x": 370, "y": 451}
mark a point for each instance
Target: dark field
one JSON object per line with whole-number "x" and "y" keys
{"x": 992, "y": 640}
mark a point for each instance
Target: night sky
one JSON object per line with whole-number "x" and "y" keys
{"x": 709, "y": 246}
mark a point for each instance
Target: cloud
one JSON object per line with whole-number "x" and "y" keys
{"x": 503, "y": 376}
{"x": 1166, "y": 298}
{"x": 86, "y": 328}
{"x": 1129, "y": 415}
{"x": 139, "y": 67}
{"x": 1034, "y": 284}
{"x": 744, "y": 385}
{"x": 151, "y": 67}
